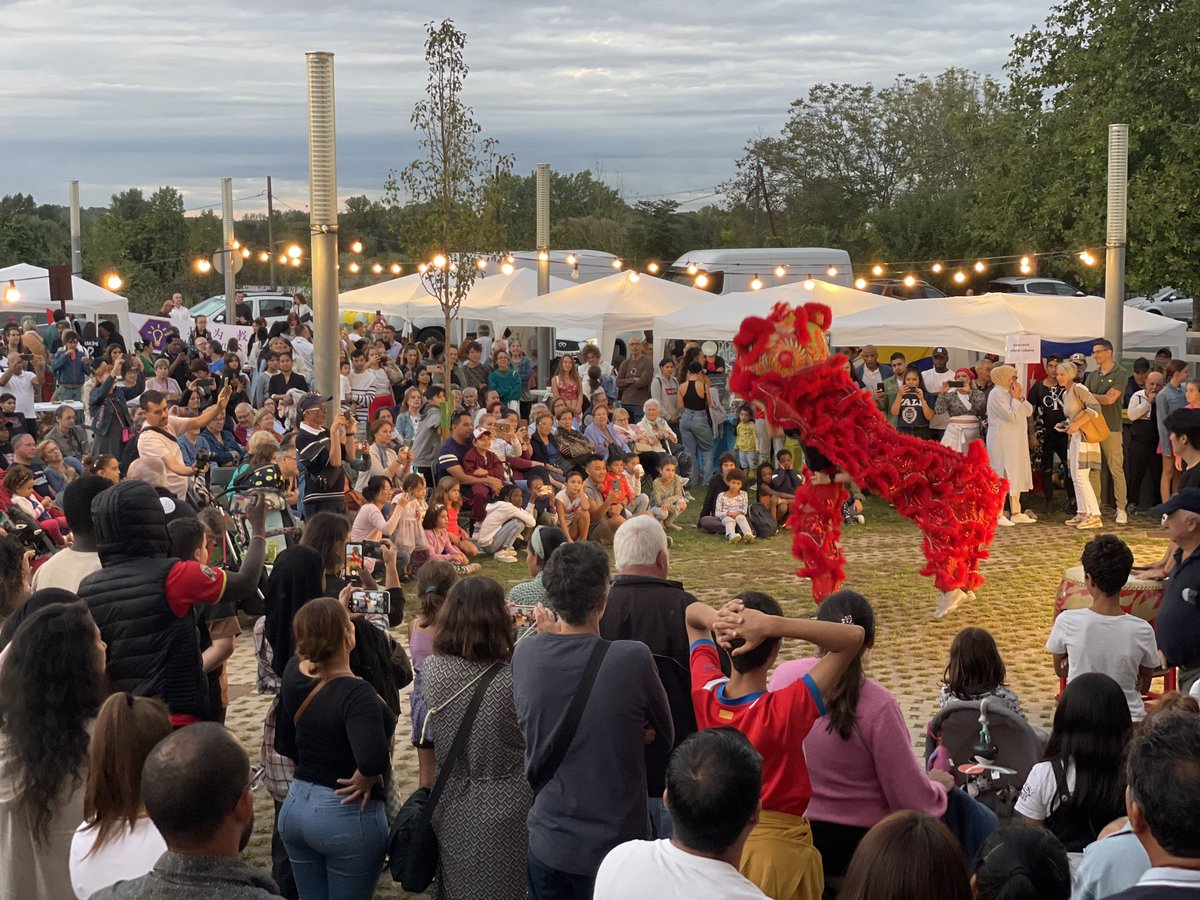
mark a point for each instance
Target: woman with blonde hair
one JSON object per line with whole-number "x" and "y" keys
{"x": 567, "y": 386}
{"x": 1082, "y": 456}
{"x": 1008, "y": 415}
{"x": 58, "y": 473}
{"x": 117, "y": 841}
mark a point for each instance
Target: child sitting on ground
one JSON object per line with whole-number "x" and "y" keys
{"x": 615, "y": 480}
{"x": 784, "y": 483}
{"x": 573, "y": 508}
{"x": 634, "y": 473}
{"x": 1105, "y": 638}
{"x": 975, "y": 670}
{"x": 746, "y": 442}
{"x": 541, "y": 501}
{"x": 666, "y": 495}
{"x": 732, "y": 507}
{"x": 505, "y": 521}
{"x": 437, "y": 538}
{"x": 448, "y": 493}
{"x": 765, "y": 494}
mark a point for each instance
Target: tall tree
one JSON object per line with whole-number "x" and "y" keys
{"x": 454, "y": 189}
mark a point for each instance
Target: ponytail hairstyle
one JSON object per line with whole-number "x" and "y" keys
{"x": 841, "y": 703}
{"x": 127, "y": 729}
{"x": 1022, "y": 863}
{"x": 434, "y": 580}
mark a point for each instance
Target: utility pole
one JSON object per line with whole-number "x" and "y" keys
{"x": 545, "y": 336}
{"x": 76, "y": 240}
{"x": 271, "y": 231}
{"x": 227, "y": 251}
{"x": 322, "y": 192}
{"x": 1114, "y": 245}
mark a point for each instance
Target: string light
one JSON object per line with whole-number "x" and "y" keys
{"x": 634, "y": 276}
{"x": 283, "y": 258}
{"x": 237, "y": 245}
{"x": 960, "y": 276}
{"x": 652, "y": 268}
{"x": 11, "y": 294}
{"x": 1087, "y": 258}
{"x": 543, "y": 256}
{"x": 692, "y": 268}
{"x": 575, "y": 273}
{"x": 296, "y": 263}
{"x": 860, "y": 283}
{"x": 506, "y": 268}
{"x": 701, "y": 281}
{"x": 572, "y": 259}
{"x": 113, "y": 281}
{"x": 980, "y": 266}
{"x": 936, "y": 268}
{"x": 756, "y": 284}
{"x": 877, "y": 270}
{"x": 423, "y": 268}
{"x": 377, "y": 268}
{"x": 508, "y": 258}
{"x": 832, "y": 271}
{"x": 481, "y": 263}
{"x": 245, "y": 253}
{"x": 355, "y": 268}
{"x": 617, "y": 264}
{"x": 397, "y": 268}
{"x": 910, "y": 281}
{"x": 439, "y": 262}
{"x": 203, "y": 266}
{"x": 356, "y": 247}
{"x": 295, "y": 251}
{"x": 809, "y": 284}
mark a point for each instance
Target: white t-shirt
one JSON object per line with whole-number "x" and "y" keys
{"x": 154, "y": 445}
{"x": 933, "y": 381}
{"x": 571, "y": 507}
{"x": 1040, "y": 791}
{"x": 65, "y": 569}
{"x": 872, "y": 380}
{"x": 658, "y": 870}
{"x": 182, "y": 319}
{"x": 130, "y": 855}
{"x": 1116, "y": 646}
{"x": 21, "y": 387}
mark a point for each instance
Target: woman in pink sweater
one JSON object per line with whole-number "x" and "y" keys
{"x": 860, "y": 758}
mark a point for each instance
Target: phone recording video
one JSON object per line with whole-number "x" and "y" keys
{"x": 956, "y": 384}
{"x": 370, "y": 602}
{"x": 354, "y": 561}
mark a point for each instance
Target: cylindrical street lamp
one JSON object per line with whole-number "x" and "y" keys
{"x": 545, "y": 336}
{"x": 1114, "y": 262}
{"x": 322, "y": 192}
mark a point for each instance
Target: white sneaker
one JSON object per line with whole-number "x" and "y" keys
{"x": 748, "y": 538}
{"x": 1122, "y": 517}
{"x": 948, "y": 602}
{"x": 1005, "y": 521}
{"x": 735, "y": 538}
{"x": 1022, "y": 519}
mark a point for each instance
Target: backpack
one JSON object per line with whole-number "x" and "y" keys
{"x": 761, "y": 521}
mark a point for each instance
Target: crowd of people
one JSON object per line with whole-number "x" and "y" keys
{"x": 584, "y": 734}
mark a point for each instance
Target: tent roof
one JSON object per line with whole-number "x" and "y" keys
{"x": 408, "y": 297}
{"x": 392, "y": 296}
{"x": 625, "y": 299}
{"x": 34, "y": 284}
{"x": 719, "y": 317}
{"x": 983, "y": 323}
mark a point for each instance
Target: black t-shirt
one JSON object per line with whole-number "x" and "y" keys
{"x": 911, "y": 415}
{"x": 1190, "y": 477}
{"x": 346, "y": 727}
{"x": 1047, "y": 403}
{"x": 281, "y": 384}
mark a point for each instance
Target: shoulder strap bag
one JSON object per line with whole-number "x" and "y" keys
{"x": 412, "y": 845}
{"x": 1094, "y": 429}
{"x": 540, "y": 776}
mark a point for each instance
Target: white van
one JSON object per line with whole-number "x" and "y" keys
{"x": 727, "y": 270}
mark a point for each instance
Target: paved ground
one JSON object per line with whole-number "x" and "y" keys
{"x": 884, "y": 557}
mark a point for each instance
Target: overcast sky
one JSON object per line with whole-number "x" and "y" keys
{"x": 657, "y": 97}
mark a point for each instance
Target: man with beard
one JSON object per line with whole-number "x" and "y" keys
{"x": 197, "y": 790}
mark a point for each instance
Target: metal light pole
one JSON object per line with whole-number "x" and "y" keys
{"x": 1114, "y": 254}
{"x": 227, "y": 250}
{"x": 271, "y": 231}
{"x": 76, "y": 240}
{"x": 322, "y": 192}
{"x": 545, "y": 336}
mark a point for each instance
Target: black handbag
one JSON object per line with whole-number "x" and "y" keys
{"x": 412, "y": 845}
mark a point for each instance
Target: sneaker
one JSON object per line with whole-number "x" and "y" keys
{"x": 1122, "y": 517}
{"x": 1005, "y": 521}
{"x": 1090, "y": 522}
{"x": 735, "y": 538}
{"x": 860, "y": 519}
{"x": 687, "y": 495}
{"x": 675, "y": 527}
{"x": 948, "y": 602}
{"x": 506, "y": 556}
{"x": 670, "y": 541}
{"x": 1078, "y": 517}
{"x": 1023, "y": 519}
{"x": 748, "y": 538}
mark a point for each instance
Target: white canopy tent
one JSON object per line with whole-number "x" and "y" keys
{"x": 90, "y": 300}
{"x": 983, "y": 323}
{"x": 392, "y": 297}
{"x": 624, "y": 301}
{"x": 719, "y": 317}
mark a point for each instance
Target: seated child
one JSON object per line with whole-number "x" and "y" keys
{"x": 573, "y": 508}
{"x": 437, "y": 538}
{"x": 732, "y": 508}
{"x": 975, "y": 670}
{"x": 615, "y": 481}
{"x": 708, "y": 519}
{"x": 1105, "y": 638}
{"x": 448, "y": 493}
{"x": 666, "y": 495}
{"x": 409, "y": 534}
{"x": 541, "y": 501}
{"x": 505, "y": 521}
{"x": 634, "y": 473}
{"x": 784, "y": 483}
{"x": 481, "y": 462}
{"x": 18, "y": 481}
{"x": 765, "y": 494}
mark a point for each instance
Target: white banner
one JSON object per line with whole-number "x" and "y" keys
{"x": 221, "y": 333}
{"x": 153, "y": 330}
{"x": 1023, "y": 349}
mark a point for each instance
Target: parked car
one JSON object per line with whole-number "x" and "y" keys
{"x": 1167, "y": 301}
{"x": 272, "y": 307}
{"x": 726, "y": 270}
{"x": 895, "y": 287}
{"x": 1027, "y": 285}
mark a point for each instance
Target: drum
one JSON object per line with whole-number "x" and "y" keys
{"x": 1139, "y": 596}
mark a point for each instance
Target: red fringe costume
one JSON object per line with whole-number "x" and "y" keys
{"x": 954, "y": 498}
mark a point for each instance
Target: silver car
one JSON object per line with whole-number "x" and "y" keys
{"x": 1167, "y": 301}
{"x": 1053, "y": 287}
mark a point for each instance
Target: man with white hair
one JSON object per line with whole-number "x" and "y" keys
{"x": 154, "y": 472}
{"x": 643, "y": 605}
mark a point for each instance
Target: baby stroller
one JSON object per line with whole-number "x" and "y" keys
{"x": 988, "y": 748}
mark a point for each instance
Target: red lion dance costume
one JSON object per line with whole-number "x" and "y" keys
{"x": 783, "y": 362}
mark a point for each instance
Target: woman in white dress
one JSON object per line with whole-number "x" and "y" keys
{"x": 1008, "y": 415}
{"x": 965, "y": 405}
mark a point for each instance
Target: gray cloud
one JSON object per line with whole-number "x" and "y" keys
{"x": 662, "y": 97}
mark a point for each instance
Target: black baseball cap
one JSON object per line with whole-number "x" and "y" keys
{"x": 308, "y": 401}
{"x": 1053, "y": 357}
{"x": 1141, "y": 364}
{"x": 1187, "y": 499}
{"x": 941, "y": 351}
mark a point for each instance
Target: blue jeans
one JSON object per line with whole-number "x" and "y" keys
{"x": 695, "y": 430}
{"x": 336, "y": 851}
{"x": 546, "y": 883}
{"x": 506, "y": 535}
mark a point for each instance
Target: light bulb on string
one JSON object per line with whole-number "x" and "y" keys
{"x": 356, "y": 247}
{"x": 832, "y": 271}
{"x": 397, "y": 268}
{"x": 481, "y": 263}
{"x": 283, "y": 258}
{"x": 910, "y": 281}
{"x": 860, "y": 283}
{"x": 295, "y": 251}
{"x": 113, "y": 281}
{"x": 809, "y": 283}
{"x": 203, "y": 266}
{"x": 960, "y": 276}
{"x": 980, "y": 266}
{"x": 1026, "y": 265}
{"x": 936, "y": 268}
{"x": 377, "y": 269}
{"x": 617, "y": 264}
{"x": 652, "y": 268}
{"x": 439, "y": 261}
{"x": 701, "y": 281}
{"x": 296, "y": 263}
{"x": 572, "y": 259}
{"x": 575, "y": 273}
{"x": 756, "y": 283}
{"x": 506, "y": 268}
{"x": 780, "y": 271}
{"x": 508, "y": 258}
{"x": 692, "y": 268}
{"x": 634, "y": 276}
{"x": 543, "y": 256}
{"x": 245, "y": 253}
{"x": 423, "y": 268}
{"x": 877, "y": 270}
{"x": 1087, "y": 258}
{"x": 11, "y": 293}
{"x": 237, "y": 245}
{"x": 264, "y": 256}
{"x": 355, "y": 268}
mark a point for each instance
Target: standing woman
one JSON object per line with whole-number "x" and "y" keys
{"x": 480, "y": 820}
{"x": 338, "y": 730}
{"x": 1079, "y": 404}
{"x": 1173, "y": 396}
{"x": 567, "y": 386}
{"x": 117, "y": 841}
{"x": 108, "y": 402}
{"x": 695, "y": 427}
{"x": 965, "y": 406}
{"x": 506, "y": 381}
{"x": 408, "y": 416}
{"x": 51, "y": 687}
{"x": 1008, "y": 415}
{"x": 519, "y": 361}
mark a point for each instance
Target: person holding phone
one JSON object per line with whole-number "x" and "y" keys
{"x": 965, "y": 405}
{"x": 911, "y": 407}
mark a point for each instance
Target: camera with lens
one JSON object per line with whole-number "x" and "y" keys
{"x": 203, "y": 459}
